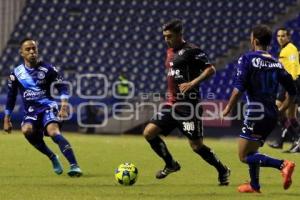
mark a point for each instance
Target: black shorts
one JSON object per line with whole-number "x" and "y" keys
{"x": 297, "y": 83}
{"x": 282, "y": 91}
{"x": 168, "y": 119}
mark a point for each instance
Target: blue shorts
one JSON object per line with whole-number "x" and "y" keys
{"x": 41, "y": 120}
{"x": 258, "y": 130}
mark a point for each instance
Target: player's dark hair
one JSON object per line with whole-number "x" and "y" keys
{"x": 25, "y": 40}
{"x": 174, "y": 25}
{"x": 288, "y": 32}
{"x": 263, "y": 34}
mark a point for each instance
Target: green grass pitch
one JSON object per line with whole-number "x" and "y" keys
{"x": 25, "y": 174}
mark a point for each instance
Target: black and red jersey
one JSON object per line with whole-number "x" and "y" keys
{"x": 183, "y": 65}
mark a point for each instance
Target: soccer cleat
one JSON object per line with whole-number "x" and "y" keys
{"x": 287, "y": 172}
{"x": 276, "y": 145}
{"x": 75, "y": 171}
{"x": 247, "y": 188}
{"x": 295, "y": 148}
{"x": 57, "y": 168}
{"x": 167, "y": 170}
{"x": 224, "y": 177}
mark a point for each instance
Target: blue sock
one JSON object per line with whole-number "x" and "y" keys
{"x": 264, "y": 160}
{"x": 38, "y": 142}
{"x": 65, "y": 148}
{"x": 254, "y": 176}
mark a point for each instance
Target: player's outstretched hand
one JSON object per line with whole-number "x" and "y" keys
{"x": 63, "y": 113}
{"x": 224, "y": 113}
{"x": 7, "y": 126}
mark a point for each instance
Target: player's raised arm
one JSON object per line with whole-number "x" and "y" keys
{"x": 63, "y": 92}
{"x": 239, "y": 85}
{"x": 59, "y": 83}
{"x": 10, "y": 102}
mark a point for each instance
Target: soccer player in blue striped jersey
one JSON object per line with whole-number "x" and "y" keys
{"x": 259, "y": 74}
{"x": 33, "y": 79}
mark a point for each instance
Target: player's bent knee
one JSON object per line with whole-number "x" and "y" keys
{"x": 196, "y": 145}
{"x": 150, "y": 132}
{"x": 27, "y": 129}
{"x": 53, "y": 129}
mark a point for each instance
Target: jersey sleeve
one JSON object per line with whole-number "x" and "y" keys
{"x": 293, "y": 57}
{"x": 198, "y": 58}
{"x": 289, "y": 57}
{"x": 242, "y": 70}
{"x": 12, "y": 85}
{"x": 286, "y": 80}
{"x": 59, "y": 83}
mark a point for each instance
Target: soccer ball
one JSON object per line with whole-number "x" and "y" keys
{"x": 126, "y": 174}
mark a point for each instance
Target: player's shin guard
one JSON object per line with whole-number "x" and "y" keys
{"x": 210, "y": 157}
{"x": 38, "y": 142}
{"x": 159, "y": 146}
{"x": 263, "y": 160}
{"x": 254, "y": 176}
{"x": 65, "y": 148}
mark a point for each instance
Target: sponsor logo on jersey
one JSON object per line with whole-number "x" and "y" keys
{"x": 173, "y": 72}
{"x": 260, "y": 63}
{"x": 39, "y": 82}
{"x": 33, "y": 94}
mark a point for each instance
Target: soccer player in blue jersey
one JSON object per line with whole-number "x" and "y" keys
{"x": 258, "y": 74}
{"x": 33, "y": 79}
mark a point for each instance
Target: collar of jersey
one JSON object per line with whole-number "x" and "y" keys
{"x": 28, "y": 68}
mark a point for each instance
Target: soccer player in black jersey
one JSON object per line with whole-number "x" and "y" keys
{"x": 187, "y": 67}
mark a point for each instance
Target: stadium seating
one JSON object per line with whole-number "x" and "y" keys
{"x": 294, "y": 26}
{"x": 109, "y": 36}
